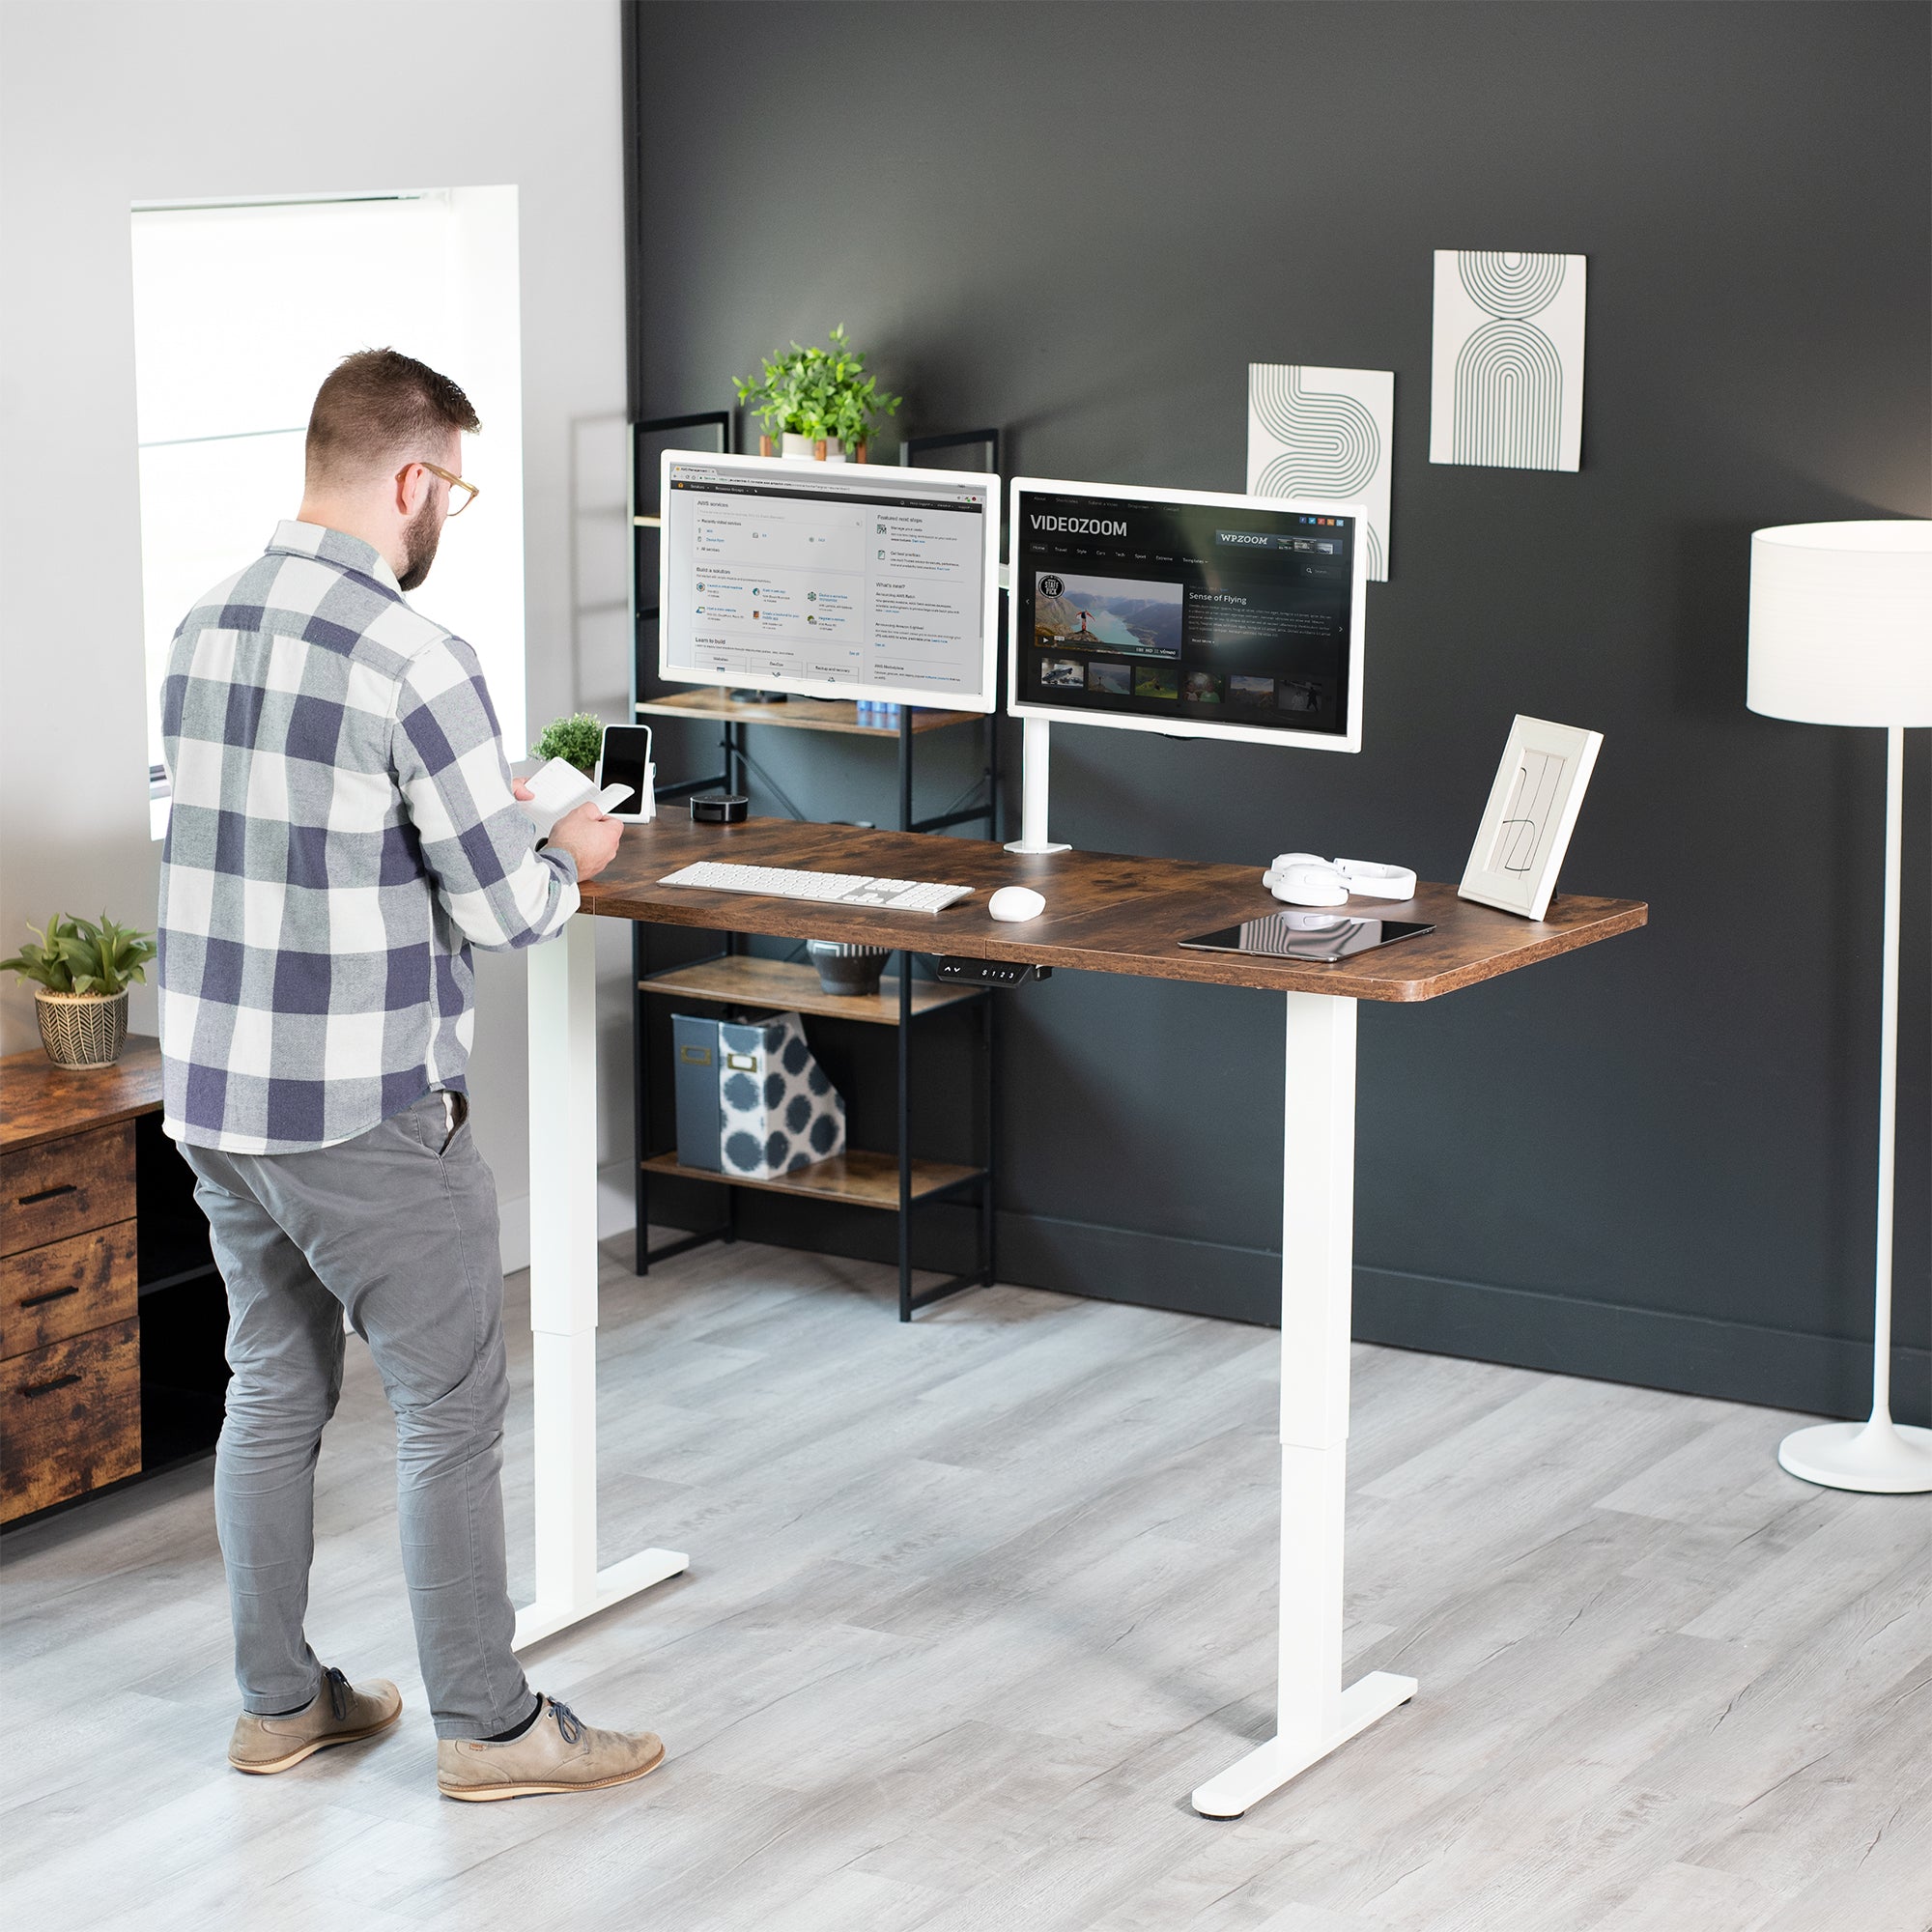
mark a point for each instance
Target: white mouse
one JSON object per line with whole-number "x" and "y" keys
{"x": 1013, "y": 903}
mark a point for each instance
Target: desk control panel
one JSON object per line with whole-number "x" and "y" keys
{"x": 953, "y": 972}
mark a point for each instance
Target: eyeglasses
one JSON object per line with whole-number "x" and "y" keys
{"x": 456, "y": 506}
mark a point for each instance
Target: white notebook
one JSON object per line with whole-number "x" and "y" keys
{"x": 558, "y": 787}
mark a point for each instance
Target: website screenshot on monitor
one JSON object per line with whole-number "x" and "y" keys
{"x": 1186, "y": 611}
{"x": 842, "y": 581}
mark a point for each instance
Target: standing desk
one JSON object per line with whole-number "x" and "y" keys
{"x": 1104, "y": 914}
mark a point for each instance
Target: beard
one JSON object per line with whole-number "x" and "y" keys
{"x": 420, "y": 536}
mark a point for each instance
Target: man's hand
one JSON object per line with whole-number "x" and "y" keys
{"x": 588, "y": 836}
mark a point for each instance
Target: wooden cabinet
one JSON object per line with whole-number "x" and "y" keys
{"x": 110, "y": 1309}
{"x": 69, "y": 1348}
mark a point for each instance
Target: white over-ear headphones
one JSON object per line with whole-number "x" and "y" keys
{"x": 1303, "y": 878}
{"x": 1300, "y": 878}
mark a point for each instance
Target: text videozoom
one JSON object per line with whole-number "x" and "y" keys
{"x": 1194, "y": 613}
{"x": 850, "y": 586}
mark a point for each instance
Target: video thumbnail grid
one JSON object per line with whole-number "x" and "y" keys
{"x": 1239, "y": 690}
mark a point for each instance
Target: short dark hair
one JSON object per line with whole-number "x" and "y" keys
{"x": 380, "y": 403}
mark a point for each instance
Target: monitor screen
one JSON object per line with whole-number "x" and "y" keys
{"x": 830, "y": 580}
{"x": 1197, "y": 615}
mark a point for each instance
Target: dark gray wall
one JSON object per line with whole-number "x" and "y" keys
{"x": 1652, "y": 1161}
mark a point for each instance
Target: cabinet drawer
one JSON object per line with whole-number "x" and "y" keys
{"x": 67, "y": 1287}
{"x": 69, "y": 1418}
{"x": 67, "y": 1187}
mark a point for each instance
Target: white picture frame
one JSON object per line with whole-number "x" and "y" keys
{"x": 1533, "y": 810}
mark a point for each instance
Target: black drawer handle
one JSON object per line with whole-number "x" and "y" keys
{"x": 47, "y": 1388}
{"x": 47, "y": 1194}
{"x": 52, "y": 1295}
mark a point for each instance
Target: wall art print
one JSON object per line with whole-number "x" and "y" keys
{"x": 1508, "y": 361}
{"x": 1324, "y": 435}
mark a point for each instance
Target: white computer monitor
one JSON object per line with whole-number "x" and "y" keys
{"x": 1189, "y": 613}
{"x": 857, "y": 579}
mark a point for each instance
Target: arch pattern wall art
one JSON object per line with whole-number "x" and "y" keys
{"x": 1508, "y": 361}
{"x": 1324, "y": 434}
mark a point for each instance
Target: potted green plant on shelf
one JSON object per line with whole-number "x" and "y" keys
{"x": 81, "y": 972}
{"x": 817, "y": 402}
{"x": 578, "y": 740}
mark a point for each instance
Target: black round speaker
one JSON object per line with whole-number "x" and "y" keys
{"x": 719, "y": 807}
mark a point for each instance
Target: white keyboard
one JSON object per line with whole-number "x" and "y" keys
{"x": 828, "y": 887}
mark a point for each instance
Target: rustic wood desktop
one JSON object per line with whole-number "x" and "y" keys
{"x": 1104, "y": 914}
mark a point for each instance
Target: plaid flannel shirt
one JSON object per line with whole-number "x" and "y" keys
{"x": 343, "y": 831}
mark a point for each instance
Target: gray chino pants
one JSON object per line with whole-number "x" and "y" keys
{"x": 397, "y": 1227}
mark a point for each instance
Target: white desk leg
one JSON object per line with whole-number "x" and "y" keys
{"x": 563, "y": 1297}
{"x": 1315, "y": 1714}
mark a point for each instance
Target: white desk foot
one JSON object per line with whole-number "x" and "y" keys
{"x": 545, "y": 1618}
{"x": 1269, "y": 1766}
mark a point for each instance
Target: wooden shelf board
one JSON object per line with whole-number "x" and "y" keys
{"x": 800, "y": 714}
{"x": 858, "y": 1179}
{"x": 206, "y": 1271}
{"x": 791, "y": 986}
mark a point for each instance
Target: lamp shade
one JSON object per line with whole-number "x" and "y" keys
{"x": 1841, "y": 623}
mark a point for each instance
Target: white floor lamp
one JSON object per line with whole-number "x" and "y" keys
{"x": 1841, "y": 633}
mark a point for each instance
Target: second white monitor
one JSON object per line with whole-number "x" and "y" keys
{"x": 1187, "y": 613}
{"x": 830, "y": 580}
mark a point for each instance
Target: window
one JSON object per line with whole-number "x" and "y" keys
{"x": 240, "y": 311}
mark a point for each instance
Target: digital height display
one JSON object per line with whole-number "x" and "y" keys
{"x": 1198, "y": 612}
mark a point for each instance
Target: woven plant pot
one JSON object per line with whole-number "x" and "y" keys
{"x": 82, "y": 1029}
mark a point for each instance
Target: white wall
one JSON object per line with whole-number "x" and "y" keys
{"x": 107, "y": 102}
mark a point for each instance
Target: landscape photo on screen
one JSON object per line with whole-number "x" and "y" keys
{"x": 1133, "y": 615}
{"x": 1244, "y": 612}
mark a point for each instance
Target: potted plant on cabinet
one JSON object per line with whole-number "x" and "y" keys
{"x": 81, "y": 972}
{"x": 816, "y": 402}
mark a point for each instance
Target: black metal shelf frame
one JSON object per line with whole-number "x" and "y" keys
{"x": 736, "y": 760}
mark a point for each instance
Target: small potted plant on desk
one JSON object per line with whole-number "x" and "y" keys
{"x": 578, "y": 740}
{"x": 81, "y": 972}
{"x": 818, "y": 403}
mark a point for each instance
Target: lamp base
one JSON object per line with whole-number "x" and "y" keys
{"x": 1877, "y": 1456}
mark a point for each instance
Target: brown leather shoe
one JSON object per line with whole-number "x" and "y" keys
{"x": 339, "y": 1715}
{"x": 558, "y": 1752}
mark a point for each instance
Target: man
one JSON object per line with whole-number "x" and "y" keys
{"x": 344, "y": 831}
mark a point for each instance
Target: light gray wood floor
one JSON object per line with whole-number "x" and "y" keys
{"x": 975, "y": 1604}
